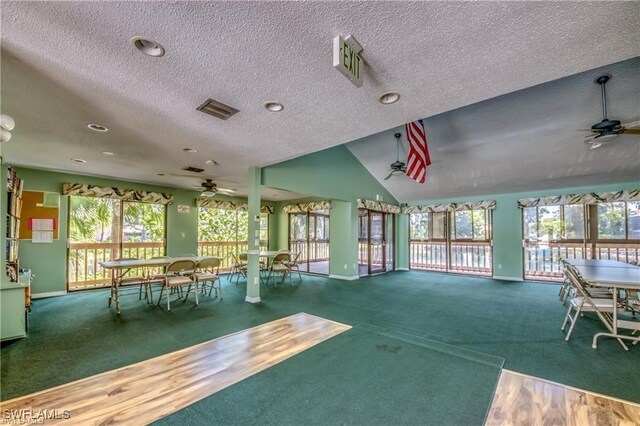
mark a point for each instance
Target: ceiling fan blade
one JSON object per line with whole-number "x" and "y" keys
{"x": 228, "y": 191}
{"x": 632, "y": 132}
{"x": 389, "y": 176}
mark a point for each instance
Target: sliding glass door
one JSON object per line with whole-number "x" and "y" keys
{"x": 103, "y": 229}
{"x": 452, "y": 241}
{"x": 376, "y": 251}
{"x": 309, "y": 236}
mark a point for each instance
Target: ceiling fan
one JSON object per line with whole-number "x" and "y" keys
{"x": 397, "y": 167}
{"x": 209, "y": 189}
{"x": 607, "y": 130}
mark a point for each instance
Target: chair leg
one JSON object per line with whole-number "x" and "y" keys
{"x": 162, "y": 291}
{"x": 566, "y": 317}
{"x": 573, "y": 323}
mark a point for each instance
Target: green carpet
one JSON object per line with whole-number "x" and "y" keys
{"x": 77, "y": 335}
{"x": 357, "y": 377}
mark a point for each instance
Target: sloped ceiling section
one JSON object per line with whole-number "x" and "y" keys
{"x": 65, "y": 64}
{"x": 521, "y": 141}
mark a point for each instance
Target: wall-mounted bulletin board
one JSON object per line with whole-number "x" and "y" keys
{"x": 37, "y": 207}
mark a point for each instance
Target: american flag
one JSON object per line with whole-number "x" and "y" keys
{"x": 418, "y": 159}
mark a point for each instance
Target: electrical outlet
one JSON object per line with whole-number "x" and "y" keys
{"x": 499, "y": 265}
{"x": 345, "y": 266}
{"x": 255, "y": 280}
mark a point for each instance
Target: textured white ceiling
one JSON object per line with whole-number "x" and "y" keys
{"x": 520, "y": 141}
{"x": 68, "y": 63}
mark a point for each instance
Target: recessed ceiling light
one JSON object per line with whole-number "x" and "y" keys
{"x": 274, "y": 106}
{"x": 192, "y": 150}
{"x": 97, "y": 127}
{"x": 159, "y": 174}
{"x": 212, "y": 162}
{"x": 148, "y": 46}
{"x": 78, "y": 160}
{"x": 388, "y": 97}
{"x": 108, "y": 153}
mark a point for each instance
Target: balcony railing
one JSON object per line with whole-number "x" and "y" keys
{"x": 313, "y": 251}
{"x": 469, "y": 257}
{"x": 225, "y": 250}
{"x": 542, "y": 260}
{"x": 84, "y": 270}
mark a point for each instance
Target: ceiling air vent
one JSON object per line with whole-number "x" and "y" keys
{"x": 217, "y": 109}
{"x": 193, "y": 169}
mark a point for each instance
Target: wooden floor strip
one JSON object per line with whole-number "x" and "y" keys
{"x": 149, "y": 390}
{"x": 525, "y": 400}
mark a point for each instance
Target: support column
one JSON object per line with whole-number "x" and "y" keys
{"x": 402, "y": 242}
{"x": 253, "y": 239}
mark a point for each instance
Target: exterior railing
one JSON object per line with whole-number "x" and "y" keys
{"x": 469, "y": 257}
{"x": 225, "y": 250}
{"x": 318, "y": 250}
{"x": 542, "y": 260}
{"x": 363, "y": 252}
{"x": 84, "y": 270}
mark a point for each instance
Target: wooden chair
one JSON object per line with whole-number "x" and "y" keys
{"x": 279, "y": 266}
{"x": 208, "y": 271}
{"x": 179, "y": 274}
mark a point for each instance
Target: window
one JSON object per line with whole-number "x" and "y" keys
{"x": 105, "y": 229}
{"x": 611, "y": 221}
{"x": 224, "y": 232}
{"x": 465, "y": 249}
{"x": 595, "y": 231}
{"x": 419, "y": 226}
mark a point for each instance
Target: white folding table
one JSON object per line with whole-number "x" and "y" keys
{"x": 120, "y": 268}
{"x": 616, "y": 278}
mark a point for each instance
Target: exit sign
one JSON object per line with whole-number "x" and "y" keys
{"x": 347, "y": 60}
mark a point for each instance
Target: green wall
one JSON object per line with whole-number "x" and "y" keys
{"x": 332, "y": 174}
{"x": 48, "y": 261}
{"x": 507, "y": 224}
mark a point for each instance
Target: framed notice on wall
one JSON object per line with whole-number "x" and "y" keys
{"x": 40, "y": 218}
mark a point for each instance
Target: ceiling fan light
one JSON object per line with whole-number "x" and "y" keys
{"x": 605, "y": 137}
{"x": 207, "y": 193}
{"x": 5, "y": 135}
{"x": 595, "y": 145}
{"x": 7, "y": 122}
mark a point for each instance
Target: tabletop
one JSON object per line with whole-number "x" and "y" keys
{"x": 604, "y": 276}
{"x": 600, "y": 262}
{"x": 122, "y": 264}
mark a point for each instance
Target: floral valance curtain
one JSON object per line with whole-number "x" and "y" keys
{"x": 230, "y": 205}
{"x": 465, "y": 205}
{"x": 307, "y": 207}
{"x": 117, "y": 193}
{"x": 378, "y": 206}
{"x": 589, "y": 198}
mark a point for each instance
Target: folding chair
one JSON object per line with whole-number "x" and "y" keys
{"x": 179, "y": 274}
{"x": 583, "y": 301}
{"x": 279, "y": 266}
{"x": 295, "y": 266}
{"x": 242, "y": 266}
{"x": 207, "y": 271}
{"x": 152, "y": 279}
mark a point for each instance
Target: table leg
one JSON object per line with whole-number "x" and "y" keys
{"x": 614, "y": 326}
